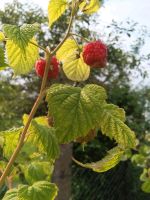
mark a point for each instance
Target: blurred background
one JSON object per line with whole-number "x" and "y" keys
{"x": 125, "y": 27}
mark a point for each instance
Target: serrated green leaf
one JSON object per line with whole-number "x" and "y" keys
{"x": 2, "y": 59}
{"x": 76, "y": 69}
{"x": 37, "y": 171}
{"x": 10, "y": 141}
{"x": 55, "y": 9}
{"x": 2, "y": 36}
{"x": 11, "y": 138}
{"x": 21, "y": 60}
{"x": 109, "y": 161}
{"x": 112, "y": 125}
{"x": 21, "y": 35}
{"x": 116, "y": 111}
{"x": 146, "y": 186}
{"x": 68, "y": 48}
{"x": 78, "y": 109}
{"x": 41, "y": 190}
{"x": 44, "y": 137}
{"x": 90, "y": 7}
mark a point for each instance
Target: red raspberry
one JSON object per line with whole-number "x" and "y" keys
{"x": 95, "y": 54}
{"x": 40, "y": 67}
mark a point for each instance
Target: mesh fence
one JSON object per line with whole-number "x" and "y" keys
{"x": 90, "y": 185}
{"x": 120, "y": 183}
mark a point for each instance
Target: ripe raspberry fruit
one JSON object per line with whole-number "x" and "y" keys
{"x": 95, "y": 54}
{"x": 40, "y": 67}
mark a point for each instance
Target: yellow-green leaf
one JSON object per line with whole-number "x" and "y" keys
{"x": 90, "y": 7}
{"x": 112, "y": 124}
{"x": 68, "y": 48}
{"x": 10, "y": 142}
{"x": 146, "y": 186}
{"x": 45, "y": 139}
{"x": 109, "y": 161}
{"x": 2, "y": 37}
{"x": 55, "y": 9}
{"x": 37, "y": 171}
{"x": 73, "y": 65}
{"x": 41, "y": 190}
{"x": 76, "y": 69}
{"x": 43, "y": 136}
{"x": 21, "y": 60}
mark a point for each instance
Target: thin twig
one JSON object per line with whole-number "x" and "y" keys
{"x": 37, "y": 45}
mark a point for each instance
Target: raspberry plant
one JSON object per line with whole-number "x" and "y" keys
{"x": 75, "y": 110}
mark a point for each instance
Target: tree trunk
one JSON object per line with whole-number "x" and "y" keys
{"x": 62, "y": 173}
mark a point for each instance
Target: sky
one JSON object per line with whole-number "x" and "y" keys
{"x": 118, "y": 10}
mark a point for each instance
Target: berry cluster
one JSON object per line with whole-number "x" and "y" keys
{"x": 94, "y": 55}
